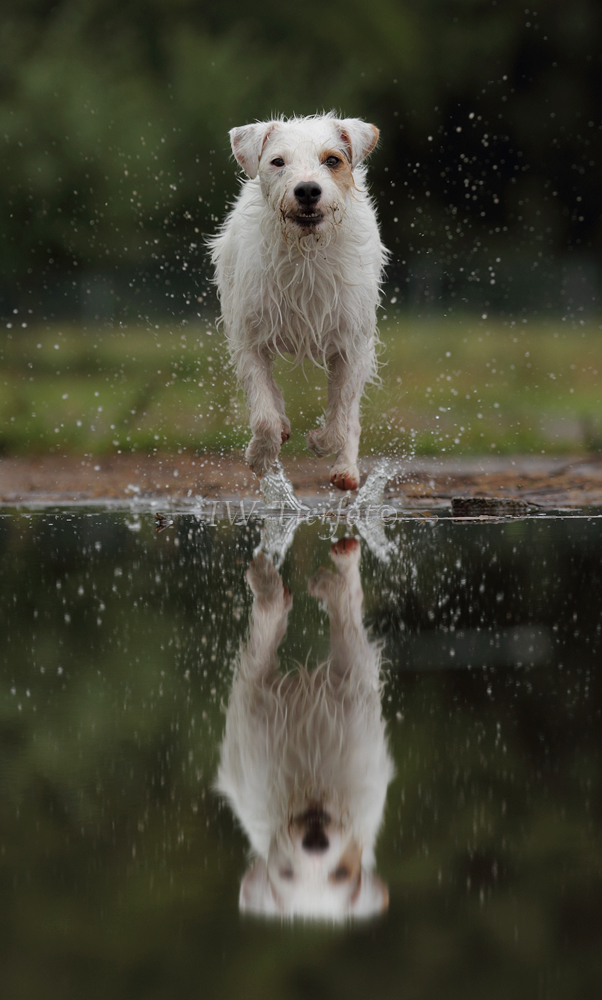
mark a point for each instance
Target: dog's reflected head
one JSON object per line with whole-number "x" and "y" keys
{"x": 314, "y": 868}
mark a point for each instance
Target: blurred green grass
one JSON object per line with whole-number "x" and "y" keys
{"x": 461, "y": 386}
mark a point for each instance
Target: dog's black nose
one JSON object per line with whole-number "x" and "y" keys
{"x": 308, "y": 193}
{"x": 315, "y": 839}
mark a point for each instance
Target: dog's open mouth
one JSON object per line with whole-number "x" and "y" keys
{"x": 308, "y": 218}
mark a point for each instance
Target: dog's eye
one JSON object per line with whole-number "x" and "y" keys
{"x": 341, "y": 873}
{"x": 277, "y": 161}
{"x": 286, "y": 873}
{"x": 332, "y": 161}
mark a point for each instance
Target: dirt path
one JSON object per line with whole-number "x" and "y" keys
{"x": 557, "y": 482}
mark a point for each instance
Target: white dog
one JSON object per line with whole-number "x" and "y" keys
{"x": 304, "y": 761}
{"x": 298, "y": 266}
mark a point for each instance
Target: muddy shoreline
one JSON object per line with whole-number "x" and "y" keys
{"x": 572, "y": 482}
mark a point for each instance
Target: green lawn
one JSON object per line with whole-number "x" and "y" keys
{"x": 460, "y": 386}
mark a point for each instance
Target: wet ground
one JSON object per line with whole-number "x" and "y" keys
{"x": 477, "y": 758}
{"x": 419, "y": 482}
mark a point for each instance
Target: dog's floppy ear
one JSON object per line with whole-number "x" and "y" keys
{"x": 372, "y": 897}
{"x": 247, "y": 145}
{"x": 256, "y": 893}
{"x": 359, "y": 138}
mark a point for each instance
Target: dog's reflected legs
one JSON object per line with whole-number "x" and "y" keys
{"x": 304, "y": 762}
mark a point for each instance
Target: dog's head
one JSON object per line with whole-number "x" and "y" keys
{"x": 305, "y": 167}
{"x": 314, "y": 870}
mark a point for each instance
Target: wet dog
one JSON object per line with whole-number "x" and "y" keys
{"x": 304, "y": 761}
{"x": 298, "y": 265}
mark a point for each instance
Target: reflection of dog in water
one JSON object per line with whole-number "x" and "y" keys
{"x": 304, "y": 760}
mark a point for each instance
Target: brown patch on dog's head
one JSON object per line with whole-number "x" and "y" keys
{"x": 341, "y": 172}
{"x": 349, "y": 867}
{"x": 371, "y": 896}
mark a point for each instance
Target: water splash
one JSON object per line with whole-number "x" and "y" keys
{"x": 277, "y": 490}
{"x": 277, "y": 533}
{"x": 372, "y": 493}
{"x": 372, "y": 531}
{"x": 276, "y": 538}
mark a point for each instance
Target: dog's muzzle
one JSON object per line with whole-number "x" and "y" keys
{"x": 307, "y": 195}
{"x": 314, "y": 821}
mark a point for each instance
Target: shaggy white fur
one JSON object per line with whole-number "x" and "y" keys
{"x": 304, "y": 761}
{"x": 298, "y": 265}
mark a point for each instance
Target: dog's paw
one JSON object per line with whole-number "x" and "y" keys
{"x": 262, "y": 453}
{"x": 323, "y": 442}
{"x": 345, "y": 554}
{"x": 345, "y": 548}
{"x": 266, "y": 583}
{"x": 346, "y": 477}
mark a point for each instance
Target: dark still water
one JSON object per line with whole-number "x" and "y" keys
{"x": 438, "y": 811}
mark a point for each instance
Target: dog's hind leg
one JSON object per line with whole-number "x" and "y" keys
{"x": 266, "y": 410}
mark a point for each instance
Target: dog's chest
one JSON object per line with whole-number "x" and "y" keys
{"x": 304, "y": 300}
{"x": 307, "y": 307}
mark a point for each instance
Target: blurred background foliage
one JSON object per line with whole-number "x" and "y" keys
{"x": 114, "y": 119}
{"x": 116, "y": 163}
{"x": 460, "y": 386}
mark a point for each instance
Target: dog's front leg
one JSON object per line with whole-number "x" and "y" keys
{"x": 266, "y": 410}
{"x": 341, "y": 433}
{"x": 272, "y": 602}
{"x": 342, "y": 591}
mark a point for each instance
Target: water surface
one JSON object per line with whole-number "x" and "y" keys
{"x": 120, "y": 866}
